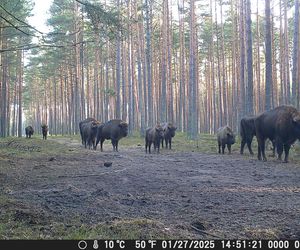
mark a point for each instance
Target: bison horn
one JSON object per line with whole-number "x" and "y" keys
{"x": 296, "y": 118}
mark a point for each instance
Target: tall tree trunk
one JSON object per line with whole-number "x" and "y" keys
{"x": 268, "y": 46}
{"x": 193, "y": 117}
{"x": 242, "y": 61}
{"x": 295, "y": 79}
{"x": 148, "y": 6}
{"x": 249, "y": 103}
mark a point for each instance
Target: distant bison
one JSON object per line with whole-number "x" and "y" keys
{"x": 169, "y": 133}
{"x": 29, "y": 131}
{"x": 44, "y": 131}
{"x": 282, "y": 125}
{"x": 89, "y": 133}
{"x": 225, "y": 137}
{"x": 113, "y": 130}
{"x": 81, "y": 123}
{"x": 154, "y": 135}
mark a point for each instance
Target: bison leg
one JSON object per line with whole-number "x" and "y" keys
{"x": 279, "y": 150}
{"x": 150, "y": 143}
{"x": 263, "y": 148}
{"x": 219, "y": 148}
{"x": 249, "y": 147}
{"x": 170, "y": 143}
{"x": 101, "y": 145}
{"x": 223, "y": 148}
{"x": 243, "y": 142}
{"x": 158, "y": 145}
{"x": 146, "y": 147}
{"x": 229, "y": 148}
{"x": 286, "y": 151}
{"x": 117, "y": 144}
{"x": 113, "y": 142}
{"x": 162, "y": 143}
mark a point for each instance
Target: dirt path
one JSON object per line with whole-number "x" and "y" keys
{"x": 229, "y": 196}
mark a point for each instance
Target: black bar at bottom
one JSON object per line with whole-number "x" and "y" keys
{"x": 147, "y": 244}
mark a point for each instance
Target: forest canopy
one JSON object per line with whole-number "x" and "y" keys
{"x": 198, "y": 64}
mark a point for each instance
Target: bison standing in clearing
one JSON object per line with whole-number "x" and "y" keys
{"x": 44, "y": 131}
{"x": 29, "y": 131}
{"x": 169, "y": 133}
{"x": 247, "y": 132}
{"x": 81, "y": 124}
{"x": 114, "y": 130}
{"x": 153, "y": 135}
{"x": 89, "y": 132}
{"x": 281, "y": 124}
{"x": 225, "y": 137}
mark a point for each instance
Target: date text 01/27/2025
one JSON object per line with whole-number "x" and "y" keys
{"x": 201, "y": 244}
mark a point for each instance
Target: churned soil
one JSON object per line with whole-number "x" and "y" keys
{"x": 195, "y": 194}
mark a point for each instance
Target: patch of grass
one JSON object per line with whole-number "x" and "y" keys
{"x": 13, "y": 147}
{"x": 262, "y": 233}
{"x": 121, "y": 229}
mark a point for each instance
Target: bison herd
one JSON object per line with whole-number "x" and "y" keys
{"x": 280, "y": 125}
{"x": 92, "y": 132}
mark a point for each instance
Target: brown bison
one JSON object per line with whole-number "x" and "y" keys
{"x": 153, "y": 135}
{"x": 89, "y": 133}
{"x": 114, "y": 130}
{"x": 247, "y": 132}
{"x": 29, "y": 131}
{"x": 81, "y": 123}
{"x": 225, "y": 137}
{"x": 44, "y": 131}
{"x": 169, "y": 133}
{"x": 282, "y": 125}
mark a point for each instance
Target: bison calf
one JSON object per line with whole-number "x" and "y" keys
{"x": 44, "y": 131}
{"x": 29, "y": 131}
{"x": 169, "y": 133}
{"x": 154, "y": 135}
{"x": 114, "y": 130}
{"x": 225, "y": 137}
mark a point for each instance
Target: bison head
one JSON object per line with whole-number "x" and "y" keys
{"x": 44, "y": 127}
{"x": 159, "y": 130}
{"x": 172, "y": 130}
{"x": 230, "y": 138}
{"x": 124, "y": 128}
{"x": 296, "y": 123}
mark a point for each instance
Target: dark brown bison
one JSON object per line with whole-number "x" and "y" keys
{"x": 29, "y": 131}
{"x": 81, "y": 123}
{"x": 44, "y": 131}
{"x": 282, "y": 125}
{"x": 225, "y": 137}
{"x": 89, "y": 133}
{"x": 247, "y": 132}
{"x": 113, "y": 130}
{"x": 153, "y": 135}
{"x": 169, "y": 133}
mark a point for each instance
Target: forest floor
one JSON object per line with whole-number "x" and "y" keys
{"x": 57, "y": 189}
